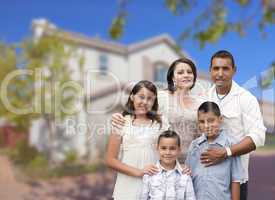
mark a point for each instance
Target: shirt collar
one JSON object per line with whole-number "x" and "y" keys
{"x": 177, "y": 167}
{"x": 220, "y": 140}
{"x": 234, "y": 90}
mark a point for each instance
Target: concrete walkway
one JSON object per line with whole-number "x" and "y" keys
{"x": 10, "y": 189}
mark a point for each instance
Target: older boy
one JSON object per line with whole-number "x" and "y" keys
{"x": 220, "y": 181}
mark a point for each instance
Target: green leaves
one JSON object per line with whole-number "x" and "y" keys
{"x": 44, "y": 87}
{"x": 268, "y": 78}
{"x": 178, "y": 7}
{"x": 209, "y": 20}
{"x": 243, "y": 2}
{"x": 117, "y": 27}
{"x": 215, "y": 30}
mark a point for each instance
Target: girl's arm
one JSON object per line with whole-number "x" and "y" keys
{"x": 112, "y": 158}
{"x": 235, "y": 190}
{"x": 113, "y": 162}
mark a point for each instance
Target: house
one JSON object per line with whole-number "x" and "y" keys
{"x": 110, "y": 69}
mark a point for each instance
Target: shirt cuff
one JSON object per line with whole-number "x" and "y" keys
{"x": 258, "y": 139}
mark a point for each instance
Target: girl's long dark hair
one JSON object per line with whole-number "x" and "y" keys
{"x": 129, "y": 107}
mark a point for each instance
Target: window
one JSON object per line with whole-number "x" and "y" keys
{"x": 160, "y": 73}
{"x": 103, "y": 64}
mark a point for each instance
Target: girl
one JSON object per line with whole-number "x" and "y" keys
{"x": 135, "y": 142}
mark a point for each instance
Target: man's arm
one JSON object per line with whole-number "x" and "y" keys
{"x": 245, "y": 146}
{"x": 253, "y": 126}
{"x": 216, "y": 155}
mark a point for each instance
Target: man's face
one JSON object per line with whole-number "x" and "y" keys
{"x": 222, "y": 72}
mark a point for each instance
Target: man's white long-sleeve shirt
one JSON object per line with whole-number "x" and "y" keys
{"x": 242, "y": 116}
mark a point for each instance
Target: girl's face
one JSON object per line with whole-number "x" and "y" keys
{"x": 183, "y": 76}
{"x": 143, "y": 101}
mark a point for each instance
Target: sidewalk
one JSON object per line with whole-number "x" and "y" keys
{"x": 10, "y": 189}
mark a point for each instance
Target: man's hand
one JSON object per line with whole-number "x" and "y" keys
{"x": 213, "y": 156}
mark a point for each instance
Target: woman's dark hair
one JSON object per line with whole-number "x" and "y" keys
{"x": 129, "y": 107}
{"x": 169, "y": 134}
{"x": 170, "y": 73}
{"x": 210, "y": 106}
{"x": 223, "y": 54}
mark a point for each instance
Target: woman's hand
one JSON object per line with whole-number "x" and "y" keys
{"x": 118, "y": 121}
{"x": 150, "y": 170}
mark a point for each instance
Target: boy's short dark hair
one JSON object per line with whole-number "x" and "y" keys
{"x": 169, "y": 134}
{"x": 210, "y": 106}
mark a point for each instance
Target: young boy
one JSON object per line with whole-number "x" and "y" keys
{"x": 221, "y": 181}
{"x": 169, "y": 182}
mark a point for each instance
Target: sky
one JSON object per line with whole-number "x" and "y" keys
{"x": 146, "y": 19}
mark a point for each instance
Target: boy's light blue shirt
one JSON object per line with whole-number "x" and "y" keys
{"x": 213, "y": 182}
{"x": 168, "y": 185}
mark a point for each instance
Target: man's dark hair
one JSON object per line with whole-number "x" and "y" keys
{"x": 209, "y": 106}
{"x": 169, "y": 134}
{"x": 223, "y": 54}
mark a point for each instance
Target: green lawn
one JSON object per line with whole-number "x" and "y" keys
{"x": 269, "y": 144}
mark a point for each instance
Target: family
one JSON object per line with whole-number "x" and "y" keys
{"x": 174, "y": 145}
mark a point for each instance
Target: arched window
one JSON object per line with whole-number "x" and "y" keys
{"x": 160, "y": 72}
{"x": 103, "y": 63}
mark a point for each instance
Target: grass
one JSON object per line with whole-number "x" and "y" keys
{"x": 30, "y": 163}
{"x": 269, "y": 146}
{"x": 63, "y": 170}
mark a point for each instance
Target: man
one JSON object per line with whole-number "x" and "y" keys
{"x": 241, "y": 113}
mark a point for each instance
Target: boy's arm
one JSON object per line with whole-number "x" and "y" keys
{"x": 145, "y": 188}
{"x": 189, "y": 194}
{"x": 235, "y": 190}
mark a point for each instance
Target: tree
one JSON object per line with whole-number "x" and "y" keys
{"x": 43, "y": 84}
{"x": 15, "y": 93}
{"x": 212, "y": 21}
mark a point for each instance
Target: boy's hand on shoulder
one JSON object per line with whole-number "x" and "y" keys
{"x": 213, "y": 156}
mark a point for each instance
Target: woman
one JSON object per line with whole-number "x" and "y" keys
{"x": 178, "y": 105}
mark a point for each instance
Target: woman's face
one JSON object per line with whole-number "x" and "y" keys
{"x": 183, "y": 76}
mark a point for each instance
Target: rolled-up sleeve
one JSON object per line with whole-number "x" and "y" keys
{"x": 253, "y": 120}
{"x": 237, "y": 171}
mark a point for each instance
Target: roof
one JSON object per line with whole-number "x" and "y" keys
{"x": 97, "y": 43}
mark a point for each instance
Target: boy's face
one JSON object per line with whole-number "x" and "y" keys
{"x": 209, "y": 124}
{"x": 168, "y": 151}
